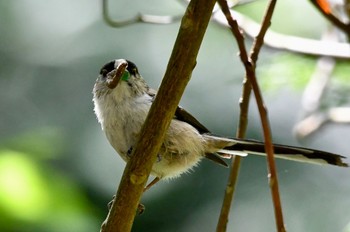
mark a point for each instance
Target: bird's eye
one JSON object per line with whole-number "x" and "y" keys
{"x": 132, "y": 68}
{"x": 104, "y": 72}
{"x": 107, "y": 68}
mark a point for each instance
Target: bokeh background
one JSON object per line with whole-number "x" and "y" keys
{"x": 57, "y": 170}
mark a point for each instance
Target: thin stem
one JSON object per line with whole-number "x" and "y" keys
{"x": 291, "y": 43}
{"x": 235, "y": 30}
{"x": 273, "y": 180}
{"x": 236, "y": 162}
{"x": 249, "y": 64}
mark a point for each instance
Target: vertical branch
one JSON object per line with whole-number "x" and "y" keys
{"x": 273, "y": 180}
{"x": 249, "y": 64}
{"x": 243, "y": 121}
{"x": 236, "y": 162}
{"x": 178, "y": 73}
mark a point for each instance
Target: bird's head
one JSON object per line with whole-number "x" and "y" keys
{"x": 128, "y": 83}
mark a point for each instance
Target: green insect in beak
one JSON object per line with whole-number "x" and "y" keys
{"x": 125, "y": 76}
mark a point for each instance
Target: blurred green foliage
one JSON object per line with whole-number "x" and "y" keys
{"x": 288, "y": 70}
{"x": 295, "y": 70}
{"x": 36, "y": 198}
{"x": 58, "y": 172}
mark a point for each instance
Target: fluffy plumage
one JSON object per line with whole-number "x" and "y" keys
{"x": 122, "y": 111}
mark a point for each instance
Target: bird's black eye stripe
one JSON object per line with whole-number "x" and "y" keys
{"x": 107, "y": 68}
{"x": 132, "y": 69}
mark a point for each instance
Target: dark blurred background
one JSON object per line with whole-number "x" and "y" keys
{"x": 57, "y": 170}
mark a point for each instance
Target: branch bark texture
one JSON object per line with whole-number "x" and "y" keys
{"x": 178, "y": 73}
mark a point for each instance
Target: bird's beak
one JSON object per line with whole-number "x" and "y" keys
{"x": 114, "y": 76}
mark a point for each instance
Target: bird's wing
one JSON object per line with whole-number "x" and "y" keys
{"x": 182, "y": 115}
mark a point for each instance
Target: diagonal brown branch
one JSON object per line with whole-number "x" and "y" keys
{"x": 249, "y": 63}
{"x": 235, "y": 30}
{"x": 273, "y": 180}
{"x": 236, "y": 163}
{"x": 178, "y": 73}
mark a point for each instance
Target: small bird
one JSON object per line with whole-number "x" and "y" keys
{"x": 122, "y": 107}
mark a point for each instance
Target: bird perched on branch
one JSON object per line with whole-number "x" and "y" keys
{"x": 122, "y": 100}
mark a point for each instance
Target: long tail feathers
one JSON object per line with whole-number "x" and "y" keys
{"x": 289, "y": 153}
{"x": 244, "y": 147}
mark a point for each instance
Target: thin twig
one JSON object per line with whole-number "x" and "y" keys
{"x": 273, "y": 180}
{"x": 249, "y": 64}
{"x": 178, "y": 73}
{"x": 235, "y": 30}
{"x": 236, "y": 162}
{"x": 287, "y": 42}
{"x": 273, "y": 39}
